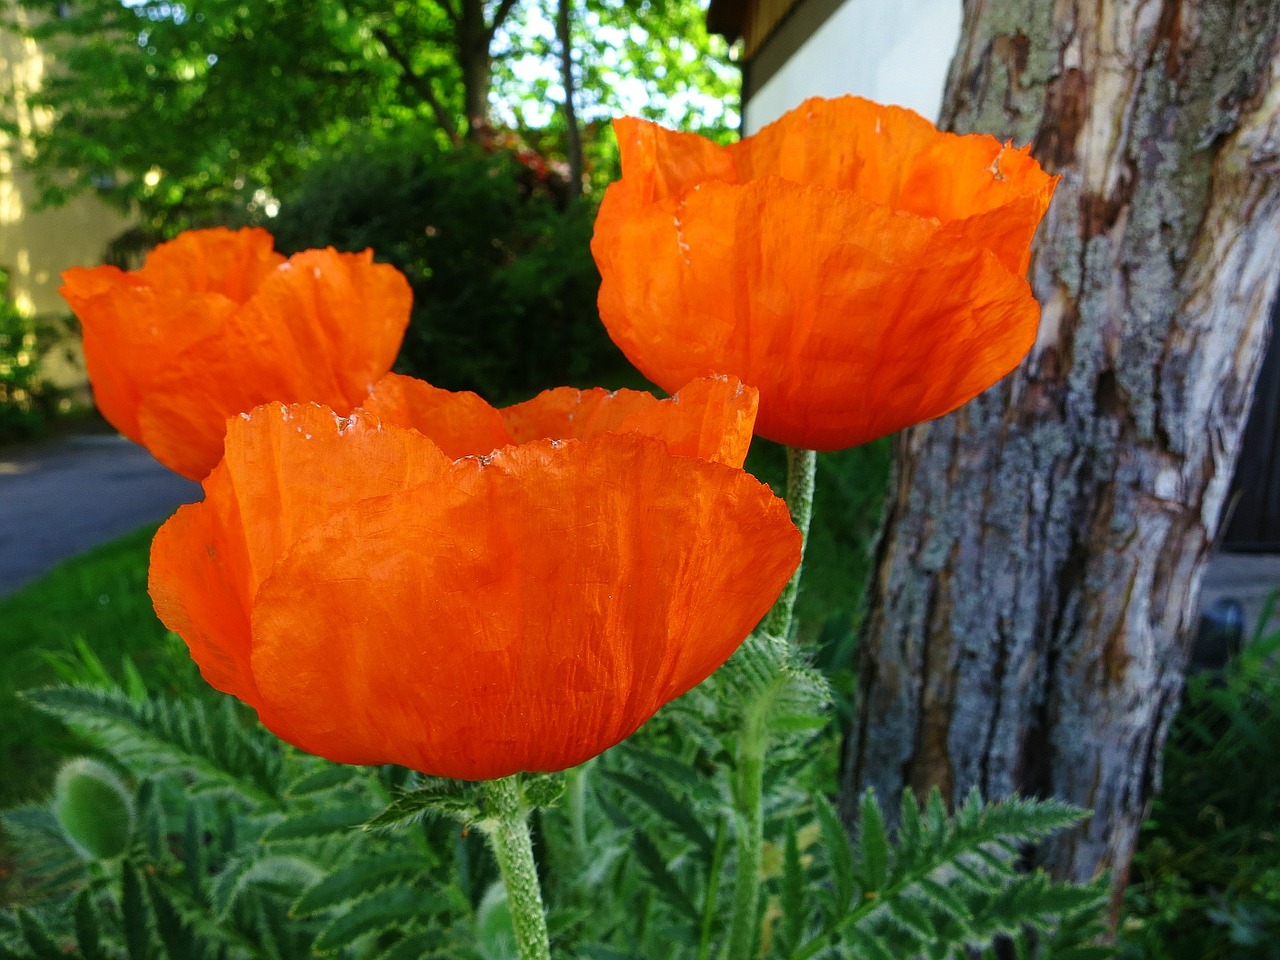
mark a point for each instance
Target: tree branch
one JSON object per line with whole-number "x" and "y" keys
{"x": 420, "y": 83}
{"x": 451, "y": 12}
{"x": 499, "y": 15}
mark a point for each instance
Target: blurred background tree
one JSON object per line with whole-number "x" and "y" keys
{"x": 437, "y": 132}
{"x": 212, "y": 113}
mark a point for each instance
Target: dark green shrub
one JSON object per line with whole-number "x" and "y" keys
{"x": 21, "y": 411}
{"x": 503, "y": 281}
{"x": 1206, "y": 878}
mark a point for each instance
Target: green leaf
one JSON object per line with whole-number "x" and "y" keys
{"x": 326, "y": 777}
{"x": 871, "y": 947}
{"x": 359, "y": 880}
{"x": 663, "y": 879}
{"x": 216, "y": 749}
{"x": 285, "y": 873}
{"x": 133, "y": 914}
{"x": 836, "y": 843}
{"x": 874, "y": 842}
{"x": 319, "y": 823}
{"x": 88, "y": 928}
{"x": 666, "y": 806}
{"x": 435, "y": 797}
{"x": 173, "y": 932}
{"x": 542, "y": 789}
{"x": 390, "y": 910}
{"x": 39, "y": 940}
{"x": 793, "y": 888}
{"x": 413, "y": 947}
{"x": 194, "y": 861}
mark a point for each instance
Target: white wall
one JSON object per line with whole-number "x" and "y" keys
{"x": 892, "y": 51}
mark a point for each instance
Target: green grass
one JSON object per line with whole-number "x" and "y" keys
{"x": 99, "y": 598}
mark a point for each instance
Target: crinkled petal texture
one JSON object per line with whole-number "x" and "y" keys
{"x": 860, "y": 268}
{"x": 378, "y": 602}
{"x": 710, "y": 418}
{"x": 216, "y": 323}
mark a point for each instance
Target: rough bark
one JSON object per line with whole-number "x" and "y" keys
{"x": 1043, "y": 546}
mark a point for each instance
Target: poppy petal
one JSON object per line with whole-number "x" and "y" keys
{"x": 717, "y": 282}
{"x": 711, "y": 418}
{"x": 230, "y": 263}
{"x": 125, "y": 347}
{"x": 544, "y": 602}
{"x": 461, "y": 424}
{"x": 569, "y": 413}
{"x": 664, "y": 163}
{"x": 287, "y": 468}
{"x": 308, "y": 311}
{"x": 215, "y": 324}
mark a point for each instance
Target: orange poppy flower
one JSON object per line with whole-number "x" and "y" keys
{"x": 216, "y": 322}
{"x": 378, "y": 601}
{"x": 862, "y": 269}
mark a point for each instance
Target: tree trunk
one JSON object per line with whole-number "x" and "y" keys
{"x": 1038, "y": 571}
{"x": 474, "y": 38}
{"x": 573, "y": 134}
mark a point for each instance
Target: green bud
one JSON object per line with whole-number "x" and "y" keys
{"x": 94, "y": 809}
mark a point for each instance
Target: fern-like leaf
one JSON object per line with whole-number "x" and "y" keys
{"x": 433, "y": 797}
{"x": 280, "y": 872}
{"x": 216, "y": 748}
{"x": 391, "y": 911}
{"x": 361, "y": 879}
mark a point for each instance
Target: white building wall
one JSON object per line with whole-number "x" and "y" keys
{"x": 891, "y": 51}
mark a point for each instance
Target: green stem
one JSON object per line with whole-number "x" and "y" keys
{"x": 507, "y": 827}
{"x": 802, "y": 468}
{"x": 753, "y": 745}
{"x": 713, "y": 889}
{"x": 577, "y": 801}
{"x": 749, "y": 820}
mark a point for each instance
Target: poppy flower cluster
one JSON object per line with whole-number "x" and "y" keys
{"x": 475, "y": 612}
{"x": 862, "y": 269}
{"x": 393, "y": 573}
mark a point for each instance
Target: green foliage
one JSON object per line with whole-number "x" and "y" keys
{"x": 93, "y": 808}
{"x": 637, "y": 846}
{"x": 244, "y": 848}
{"x": 182, "y": 114}
{"x": 1206, "y": 879}
{"x": 652, "y": 59}
{"x": 180, "y": 736}
{"x": 188, "y": 115}
{"x": 43, "y": 626}
{"x": 22, "y": 412}
{"x": 503, "y": 280}
{"x": 848, "y": 502}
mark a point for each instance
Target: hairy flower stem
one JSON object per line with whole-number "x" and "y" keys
{"x": 753, "y": 745}
{"x": 507, "y": 827}
{"x": 802, "y": 468}
{"x": 748, "y": 796}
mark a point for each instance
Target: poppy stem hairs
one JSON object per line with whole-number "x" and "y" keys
{"x": 507, "y": 828}
{"x": 802, "y": 468}
{"x": 753, "y": 743}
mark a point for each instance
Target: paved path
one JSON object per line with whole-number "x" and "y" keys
{"x": 62, "y": 498}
